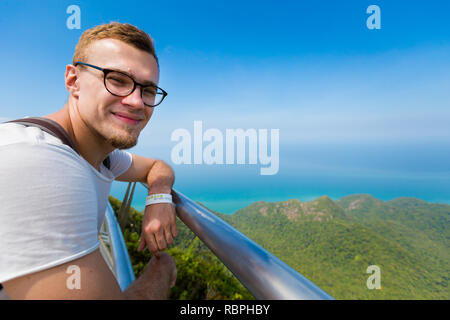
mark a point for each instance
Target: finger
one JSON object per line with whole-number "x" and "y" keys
{"x": 168, "y": 236}
{"x": 141, "y": 244}
{"x": 160, "y": 241}
{"x": 174, "y": 230}
{"x": 151, "y": 243}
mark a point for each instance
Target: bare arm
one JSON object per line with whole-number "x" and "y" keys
{"x": 95, "y": 281}
{"x": 159, "y": 223}
{"x": 156, "y": 173}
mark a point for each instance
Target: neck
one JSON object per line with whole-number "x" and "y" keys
{"x": 92, "y": 147}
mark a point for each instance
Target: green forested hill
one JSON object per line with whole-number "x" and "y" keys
{"x": 331, "y": 243}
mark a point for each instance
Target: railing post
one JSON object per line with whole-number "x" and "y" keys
{"x": 123, "y": 269}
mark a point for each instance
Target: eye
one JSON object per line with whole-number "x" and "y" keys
{"x": 149, "y": 91}
{"x": 118, "y": 79}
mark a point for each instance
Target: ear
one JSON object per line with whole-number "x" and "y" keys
{"x": 71, "y": 80}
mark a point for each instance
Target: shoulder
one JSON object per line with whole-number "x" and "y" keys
{"x": 33, "y": 150}
{"x": 47, "y": 174}
{"x": 28, "y": 147}
{"x": 14, "y": 133}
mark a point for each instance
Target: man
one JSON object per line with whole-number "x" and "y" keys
{"x": 53, "y": 200}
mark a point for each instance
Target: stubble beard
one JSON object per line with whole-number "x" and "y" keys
{"x": 122, "y": 142}
{"x": 119, "y": 138}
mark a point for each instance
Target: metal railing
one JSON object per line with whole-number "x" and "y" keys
{"x": 261, "y": 272}
{"x": 117, "y": 254}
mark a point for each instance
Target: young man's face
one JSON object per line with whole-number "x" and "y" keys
{"x": 118, "y": 120}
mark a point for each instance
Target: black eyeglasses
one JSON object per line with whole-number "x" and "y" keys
{"x": 121, "y": 84}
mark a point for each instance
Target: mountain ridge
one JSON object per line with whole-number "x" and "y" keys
{"x": 330, "y": 242}
{"x": 327, "y": 239}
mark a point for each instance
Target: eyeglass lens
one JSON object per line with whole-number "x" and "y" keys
{"x": 122, "y": 85}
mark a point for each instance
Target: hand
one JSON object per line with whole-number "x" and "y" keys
{"x": 158, "y": 227}
{"x": 164, "y": 266}
{"x": 155, "y": 282}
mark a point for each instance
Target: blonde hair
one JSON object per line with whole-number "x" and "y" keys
{"x": 114, "y": 30}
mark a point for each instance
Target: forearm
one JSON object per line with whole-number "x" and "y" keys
{"x": 160, "y": 178}
{"x": 159, "y": 222}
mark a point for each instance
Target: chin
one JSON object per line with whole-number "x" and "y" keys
{"x": 123, "y": 142}
{"x": 119, "y": 137}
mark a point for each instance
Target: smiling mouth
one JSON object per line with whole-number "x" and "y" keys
{"x": 126, "y": 119}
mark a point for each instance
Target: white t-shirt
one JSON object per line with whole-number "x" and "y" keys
{"x": 52, "y": 201}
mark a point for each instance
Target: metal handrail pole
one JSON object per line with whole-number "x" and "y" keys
{"x": 261, "y": 272}
{"x": 122, "y": 264}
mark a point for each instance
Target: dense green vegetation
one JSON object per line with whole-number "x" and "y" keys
{"x": 200, "y": 276}
{"x": 331, "y": 243}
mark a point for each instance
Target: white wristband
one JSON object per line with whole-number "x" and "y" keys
{"x": 158, "y": 198}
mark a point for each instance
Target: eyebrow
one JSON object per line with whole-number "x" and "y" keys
{"x": 145, "y": 83}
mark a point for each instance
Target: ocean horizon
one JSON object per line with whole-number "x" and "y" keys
{"x": 384, "y": 170}
{"x": 229, "y": 200}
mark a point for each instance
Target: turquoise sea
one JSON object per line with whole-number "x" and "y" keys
{"x": 384, "y": 171}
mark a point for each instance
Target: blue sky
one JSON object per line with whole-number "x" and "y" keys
{"x": 352, "y": 104}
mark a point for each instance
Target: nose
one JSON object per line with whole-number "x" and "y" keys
{"x": 134, "y": 99}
